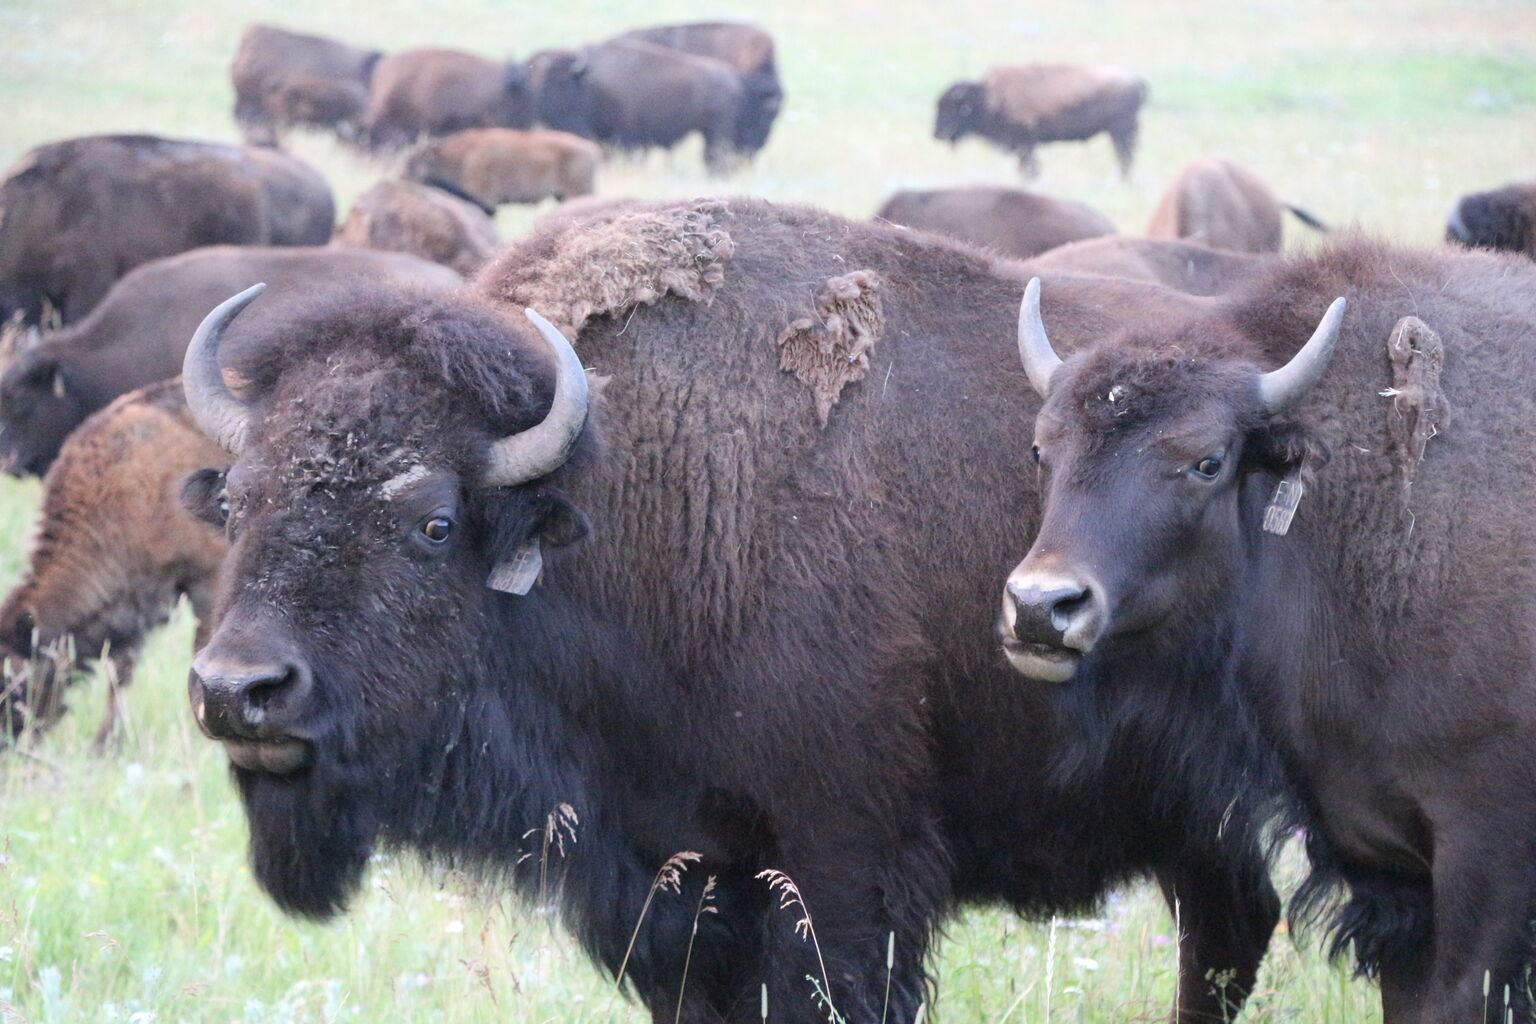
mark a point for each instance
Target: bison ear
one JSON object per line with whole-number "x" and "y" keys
{"x": 518, "y": 549}
{"x": 202, "y": 494}
{"x": 1285, "y": 449}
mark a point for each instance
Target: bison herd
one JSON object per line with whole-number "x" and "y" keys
{"x": 969, "y": 554}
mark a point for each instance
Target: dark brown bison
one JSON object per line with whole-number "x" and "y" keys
{"x": 423, "y": 220}
{"x": 1220, "y": 204}
{"x": 115, "y": 551}
{"x": 139, "y": 332}
{"x": 286, "y": 79}
{"x": 1377, "y": 643}
{"x": 505, "y": 165}
{"x": 1019, "y": 107}
{"x": 1502, "y": 219}
{"x": 748, "y": 51}
{"x": 632, "y": 95}
{"x": 774, "y": 651}
{"x": 1182, "y": 266}
{"x": 77, "y": 215}
{"x": 438, "y": 92}
{"x": 1014, "y": 223}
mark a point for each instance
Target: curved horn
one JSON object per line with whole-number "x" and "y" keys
{"x": 544, "y": 447}
{"x": 1040, "y": 360}
{"x": 1280, "y": 389}
{"x": 217, "y": 412}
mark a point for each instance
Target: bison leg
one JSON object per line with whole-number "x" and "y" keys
{"x": 1482, "y": 936}
{"x": 1226, "y": 911}
{"x": 1125, "y": 136}
{"x": 1029, "y": 164}
{"x": 119, "y": 668}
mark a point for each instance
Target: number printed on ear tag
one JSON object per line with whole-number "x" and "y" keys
{"x": 518, "y": 574}
{"x": 1282, "y": 507}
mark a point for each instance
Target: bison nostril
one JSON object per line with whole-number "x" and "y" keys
{"x": 261, "y": 692}
{"x": 1068, "y": 607}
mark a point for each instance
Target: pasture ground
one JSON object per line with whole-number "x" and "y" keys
{"x": 123, "y": 895}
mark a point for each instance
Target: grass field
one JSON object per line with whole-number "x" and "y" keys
{"x": 123, "y": 895}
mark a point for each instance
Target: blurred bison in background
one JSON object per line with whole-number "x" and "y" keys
{"x": 287, "y": 79}
{"x": 1220, "y": 204}
{"x": 115, "y": 550}
{"x": 748, "y": 51}
{"x": 504, "y": 165}
{"x": 1019, "y": 107}
{"x": 78, "y": 214}
{"x": 774, "y": 650}
{"x": 1502, "y": 219}
{"x": 437, "y": 92}
{"x": 1183, "y": 266}
{"x": 633, "y": 95}
{"x": 423, "y": 220}
{"x": 1013, "y": 222}
{"x": 139, "y": 332}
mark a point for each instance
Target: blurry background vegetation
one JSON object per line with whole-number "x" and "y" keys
{"x": 123, "y": 895}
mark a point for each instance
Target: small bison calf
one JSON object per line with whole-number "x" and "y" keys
{"x": 114, "y": 552}
{"x": 504, "y": 165}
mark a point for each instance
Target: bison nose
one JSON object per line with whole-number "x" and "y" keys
{"x": 255, "y": 699}
{"x": 1055, "y": 612}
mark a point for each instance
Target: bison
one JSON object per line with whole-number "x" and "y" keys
{"x": 504, "y": 165}
{"x": 771, "y": 650}
{"x": 632, "y": 95}
{"x": 748, "y": 51}
{"x": 1019, "y": 107}
{"x": 1010, "y": 221}
{"x": 1502, "y": 219}
{"x": 1220, "y": 204}
{"x": 285, "y": 79}
{"x": 438, "y": 92}
{"x": 78, "y": 214}
{"x": 1334, "y": 551}
{"x": 423, "y": 220}
{"x": 115, "y": 551}
{"x": 139, "y": 332}
{"x": 1182, "y": 266}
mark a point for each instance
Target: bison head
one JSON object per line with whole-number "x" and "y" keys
{"x": 39, "y": 406}
{"x": 1502, "y": 219}
{"x": 960, "y": 111}
{"x": 1157, "y": 457}
{"x": 557, "y": 80}
{"x": 391, "y": 484}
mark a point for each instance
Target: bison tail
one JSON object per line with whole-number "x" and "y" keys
{"x": 1306, "y": 218}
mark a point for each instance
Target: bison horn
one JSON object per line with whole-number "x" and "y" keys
{"x": 1040, "y": 360}
{"x": 218, "y": 413}
{"x": 1280, "y": 389}
{"x": 544, "y": 447}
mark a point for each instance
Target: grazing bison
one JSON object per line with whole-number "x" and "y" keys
{"x": 1217, "y": 203}
{"x": 77, "y": 215}
{"x": 438, "y": 92}
{"x": 115, "y": 551}
{"x": 1182, "y": 266}
{"x": 138, "y": 334}
{"x": 1502, "y": 219}
{"x": 287, "y": 79}
{"x": 1019, "y": 107}
{"x": 1380, "y": 642}
{"x": 504, "y": 165}
{"x": 748, "y": 51}
{"x": 1015, "y": 223}
{"x": 633, "y": 95}
{"x": 423, "y": 220}
{"x": 774, "y": 651}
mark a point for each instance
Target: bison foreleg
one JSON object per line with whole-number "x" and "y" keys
{"x": 1125, "y": 136}
{"x": 1225, "y": 910}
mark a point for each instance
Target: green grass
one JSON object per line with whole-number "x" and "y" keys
{"x": 123, "y": 892}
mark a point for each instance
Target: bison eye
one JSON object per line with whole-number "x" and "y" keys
{"x": 1208, "y": 467}
{"x": 223, "y": 506}
{"x": 1034, "y": 453}
{"x": 437, "y": 529}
